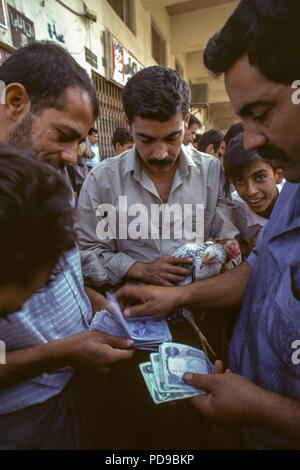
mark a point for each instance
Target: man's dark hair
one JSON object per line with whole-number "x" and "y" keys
{"x": 194, "y": 120}
{"x": 36, "y": 218}
{"x": 156, "y": 93}
{"x": 257, "y": 27}
{"x": 92, "y": 131}
{"x": 121, "y": 135}
{"x": 46, "y": 70}
{"x": 237, "y": 161}
{"x": 233, "y": 131}
{"x": 213, "y": 136}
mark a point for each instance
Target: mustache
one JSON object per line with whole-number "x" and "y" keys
{"x": 269, "y": 152}
{"x": 154, "y": 161}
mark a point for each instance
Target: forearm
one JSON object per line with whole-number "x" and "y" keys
{"x": 136, "y": 272}
{"x": 278, "y": 414}
{"x": 24, "y": 364}
{"x": 224, "y": 290}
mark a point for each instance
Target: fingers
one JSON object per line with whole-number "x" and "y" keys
{"x": 218, "y": 368}
{"x": 129, "y": 293}
{"x": 119, "y": 342}
{"x": 138, "y": 311}
{"x": 174, "y": 260}
{"x": 201, "y": 381}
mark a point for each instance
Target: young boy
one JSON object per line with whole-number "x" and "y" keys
{"x": 257, "y": 186}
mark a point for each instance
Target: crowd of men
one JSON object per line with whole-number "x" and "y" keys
{"x": 65, "y": 386}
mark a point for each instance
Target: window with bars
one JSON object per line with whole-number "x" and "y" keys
{"x": 125, "y": 10}
{"x": 110, "y": 115}
{"x": 158, "y": 46}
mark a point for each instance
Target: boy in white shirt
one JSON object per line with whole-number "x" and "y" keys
{"x": 257, "y": 185}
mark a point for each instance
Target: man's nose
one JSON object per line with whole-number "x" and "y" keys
{"x": 251, "y": 188}
{"x": 253, "y": 137}
{"x": 69, "y": 154}
{"x": 160, "y": 151}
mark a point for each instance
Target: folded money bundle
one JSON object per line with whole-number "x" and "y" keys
{"x": 164, "y": 372}
{"x": 147, "y": 332}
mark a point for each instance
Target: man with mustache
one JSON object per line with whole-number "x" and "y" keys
{"x": 157, "y": 171}
{"x": 261, "y": 390}
{"x": 49, "y": 103}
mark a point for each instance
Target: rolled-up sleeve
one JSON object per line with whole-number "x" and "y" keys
{"x": 102, "y": 263}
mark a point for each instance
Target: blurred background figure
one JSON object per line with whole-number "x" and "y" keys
{"x": 122, "y": 140}
{"x": 193, "y": 127}
{"x": 92, "y": 148}
{"x": 212, "y": 142}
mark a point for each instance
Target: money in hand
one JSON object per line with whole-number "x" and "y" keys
{"x": 147, "y": 332}
{"x": 164, "y": 373}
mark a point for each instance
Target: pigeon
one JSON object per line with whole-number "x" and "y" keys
{"x": 210, "y": 259}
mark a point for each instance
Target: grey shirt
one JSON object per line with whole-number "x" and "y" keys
{"x": 198, "y": 180}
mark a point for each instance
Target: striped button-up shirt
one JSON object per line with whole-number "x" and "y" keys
{"x": 54, "y": 312}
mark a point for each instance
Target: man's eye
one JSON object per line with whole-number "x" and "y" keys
{"x": 260, "y": 178}
{"x": 261, "y": 117}
{"x": 239, "y": 182}
{"x": 63, "y": 137}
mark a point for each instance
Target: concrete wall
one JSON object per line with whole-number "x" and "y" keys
{"x": 78, "y": 32}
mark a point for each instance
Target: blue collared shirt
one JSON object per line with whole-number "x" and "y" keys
{"x": 54, "y": 312}
{"x": 269, "y": 322}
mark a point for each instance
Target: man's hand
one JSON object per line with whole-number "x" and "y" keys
{"x": 96, "y": 350}
{"x": 231, "y": 397}
{"x": 147, "y": 300}
{"x": 166, "y": 271}
{"x": 98, "y": 301}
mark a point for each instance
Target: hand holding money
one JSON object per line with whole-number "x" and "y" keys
{"x": 164, "y": 372}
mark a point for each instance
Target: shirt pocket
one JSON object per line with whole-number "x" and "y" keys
{"x": 283, "y": 325}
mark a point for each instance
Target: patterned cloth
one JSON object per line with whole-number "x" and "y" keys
{"x": 58, "y": 311}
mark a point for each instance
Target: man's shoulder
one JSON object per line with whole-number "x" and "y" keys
{"x": 203, "y": 159}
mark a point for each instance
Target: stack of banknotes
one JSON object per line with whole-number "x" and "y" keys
{"x": 164, "y": 372}
{"x": 147, "y": 332}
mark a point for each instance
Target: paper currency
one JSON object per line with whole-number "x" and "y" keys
{"x": 163, "y": 374}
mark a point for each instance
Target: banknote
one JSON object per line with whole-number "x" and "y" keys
{"x": 176, "y": 359}
{"x": 147, "y": 332}
{"x": 158, "y": 397}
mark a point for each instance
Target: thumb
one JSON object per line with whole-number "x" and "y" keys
{"x": 201, "y": 381}
{"x": 120, "y": 342}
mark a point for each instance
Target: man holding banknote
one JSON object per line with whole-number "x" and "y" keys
{"x": 261, "y": 391}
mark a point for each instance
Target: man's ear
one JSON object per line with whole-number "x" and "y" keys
{"x": 17, "y": 102}
{"x": 127, "y": 123}
{"x": 187, "y": 120}
{"x": 278, "y": 175}
{"x": 117, "y": 146}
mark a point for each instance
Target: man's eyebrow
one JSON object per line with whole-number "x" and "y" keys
{"x": 71, "y": 132}
{"x": 141, "y": 134}
{"x": 247, "y": 110}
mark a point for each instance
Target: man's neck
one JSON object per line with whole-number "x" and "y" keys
{"x": 162, "y": 181}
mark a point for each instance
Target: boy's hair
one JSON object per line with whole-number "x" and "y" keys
{"x": 156, "y": 93}
{"x": 194, "y": 120}
{"x": 92, "y": 131}
{"x": 213, "y": 136}
{"x": 237, "y": 161}
{"x": 121, "y": 135}
{"x": 46, "y": 70}
{"x": 36, "y": 218}
{"x": 233, "y": 131}
{"x": 257, "y": 27}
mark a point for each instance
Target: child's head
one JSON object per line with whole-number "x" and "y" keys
{"x": 253, "y": 177}
{"x": 122, "y": 140}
